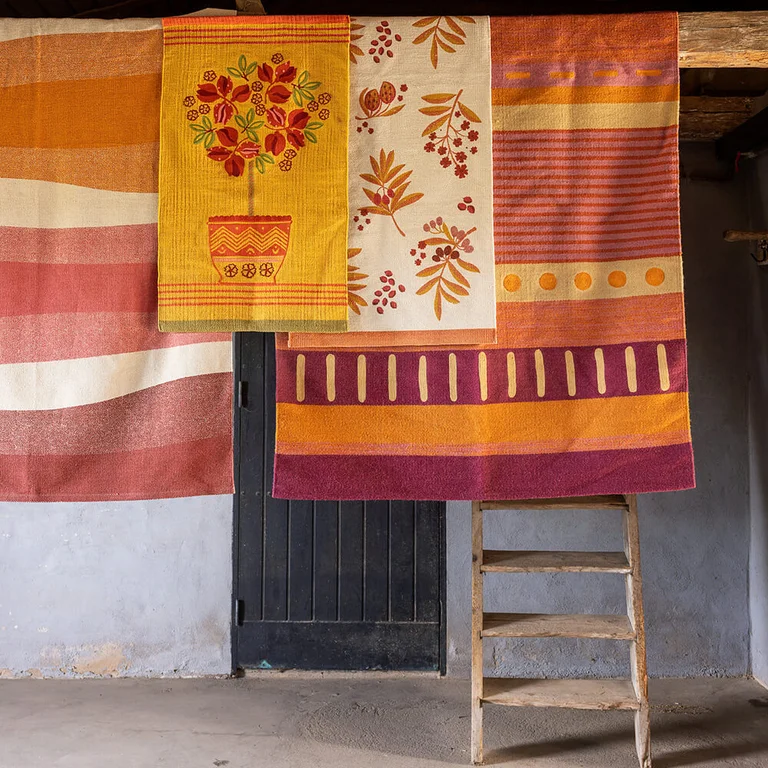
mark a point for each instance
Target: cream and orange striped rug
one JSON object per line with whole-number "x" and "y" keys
{"x": 585, "y": 391}
{"x": 95, "y": 402}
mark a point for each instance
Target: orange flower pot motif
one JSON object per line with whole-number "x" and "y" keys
{"x": 248, "y": 249}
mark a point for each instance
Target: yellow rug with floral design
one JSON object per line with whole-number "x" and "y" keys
{"x": 253, "y": 174}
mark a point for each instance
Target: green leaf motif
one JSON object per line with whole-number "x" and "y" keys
{"x": 250, "y": 115}
{"x": 207, "y": 122}
{"x": 259, "y": 161}
{"x": 310, "y": 137}
{"x": 303, "y": 77}
{"x": 251, "y": 68}
{"x": 268, "y": 159}
{"x": 209, "y": 138}
{"x": 242, "y": 62}
{"x": 315, "y": 125}
{"x": 197, "y": 128}
{"x": 200, "y": 138}
{"x": 234, "y": 72}
{"x": 313, "y": 86}
{"x": 252, "y": 135}
{"x": 240, "y": 120}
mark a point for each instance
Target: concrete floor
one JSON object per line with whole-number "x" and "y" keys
{"x": 283, "y": 721}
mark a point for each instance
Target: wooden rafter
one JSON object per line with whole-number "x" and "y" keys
{"x": 724, "y": 40}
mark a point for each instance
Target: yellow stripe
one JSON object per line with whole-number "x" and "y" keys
{"x": 392, "y": 378}
{"x": 301, "y": 363}
{"x": 631, "y": 363}
{"x": 607, "y": 279}
{"x": 661, "y": 353}
{"x": 570, "y": 372}
{"x": 521, "y": 427}
{"x": 423, "y": 389}
{"x": 330, "y": 377}
{"x": 561, "y": 117}
{"x": 452, "y": 383}
{"x": 517, "y": 75}
{"x": 482, "y": 370}
{"x": 511, "y": 375}
{"x": 361, "y": 378}
{"x": 541, "y": 379}
{"x": 606, "y": 73}
{"x": 600, "y": 365}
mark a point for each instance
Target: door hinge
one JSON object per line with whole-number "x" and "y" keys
{"x": 239, "y": 612}
{"x": 242, "y": 394}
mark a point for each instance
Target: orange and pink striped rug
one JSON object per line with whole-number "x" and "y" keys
{"x": 95, "y": 403}
{"x": 585, "y": 390}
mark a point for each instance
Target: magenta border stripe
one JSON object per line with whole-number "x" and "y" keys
{"x": 468, "y": 379}
{"x": 667, "y": 468}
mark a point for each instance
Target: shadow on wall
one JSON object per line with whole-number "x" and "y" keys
{"x": 695, "y": 544}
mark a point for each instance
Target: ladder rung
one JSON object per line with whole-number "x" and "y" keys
{"x": 578, "y": 502}
{"x": 575, "y": 694}
{"x": 549, "y": 562}
{"x": 612, "y": 627}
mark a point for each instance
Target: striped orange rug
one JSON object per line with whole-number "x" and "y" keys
{"x": 585, "y": 391}
{"x": 95, "y": 402}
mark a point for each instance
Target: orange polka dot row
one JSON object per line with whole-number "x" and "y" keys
{"x": 583, "y": 280}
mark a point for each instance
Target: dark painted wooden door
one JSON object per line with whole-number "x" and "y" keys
{"x": 326, "y": 584}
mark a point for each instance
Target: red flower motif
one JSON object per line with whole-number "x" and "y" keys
{"x": 296, "y": 138}
{"x": 265, "y": 73}
{"x": 278, "y": 94}
{"x": 224, "y": 85}
{"x": 234, "y": 159}
{"x": 274, "y": 143}
{"x": 227, "y": 137}
{"x": 473, "y": 135}
{"x": 285, "y": 73}
{"x": 298, "y": 119}
{"x": 207, "y": 92}
{"x": 460, "y": 171}
{"x": 429, "y": 147}
{"x": 241, "y": 93}
{"x": 223, "y": 112}
{"x": 445, "y": 162}
{"x": 276, "y": 116}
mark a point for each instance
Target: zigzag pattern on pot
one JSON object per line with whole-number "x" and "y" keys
{"x": 249, "y": 242}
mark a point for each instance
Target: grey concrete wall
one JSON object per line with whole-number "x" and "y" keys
{"x": 127, "y": 588}
{"x": 695, "y": 544}
{"x": 758, "y": 440}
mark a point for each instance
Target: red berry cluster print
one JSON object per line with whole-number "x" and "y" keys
{"x": 225, "y": 114}
{"x": 381, "y": 45}
{"x": 386, "y": 294}
{"x": 451, "y": 134}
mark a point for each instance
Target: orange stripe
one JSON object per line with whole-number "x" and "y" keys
{"x": 131, "y": 168}
{"x": 555, "y": 424}
{"x": 392, "y": 339}
{"x": 44, "y": 117}
{"x": 585, "y": 323}
{"x": 567, "y": 445}
{"x": 585, "y": 94}
{"x": 258, "y": 302}
{"x": 82, "y": 55}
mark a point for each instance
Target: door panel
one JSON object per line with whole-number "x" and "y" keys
{"x": 326, "y": 584}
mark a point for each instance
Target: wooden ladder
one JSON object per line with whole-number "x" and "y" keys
{"x": 605, "y": 694}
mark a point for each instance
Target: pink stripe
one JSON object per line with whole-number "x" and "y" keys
{"x": 129, "y": 244}
{"x": 197, "y": 468}
{"x": 149, "y": 418}
{"x": 36, "y": 338}
{"x": 585, "y": 137}
{"x": 468, "y": 381}
{"x": 33, "y": 289}
{"x": 649, "y": 470}
{"x": 627, "y": 74}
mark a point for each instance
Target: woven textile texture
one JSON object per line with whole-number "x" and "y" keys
{"x": 253, "y": 174}
{"x": 420, "y": 185}
{"x": 585, "y": 390}
{"x": 95, "y": 403}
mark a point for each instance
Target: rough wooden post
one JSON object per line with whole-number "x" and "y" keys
{"x": 477, "y": 638}
{"x": 637, "y": 647}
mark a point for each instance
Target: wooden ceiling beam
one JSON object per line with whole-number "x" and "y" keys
{"x": 724, "y": 40}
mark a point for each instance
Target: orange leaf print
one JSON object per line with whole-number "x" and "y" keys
{"x": 440, "y": 36}
{"x": 388, "y": 195}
